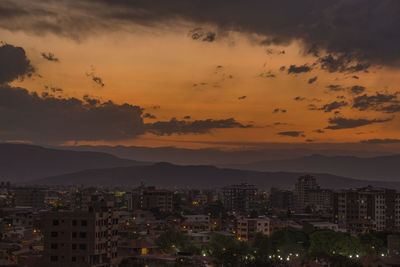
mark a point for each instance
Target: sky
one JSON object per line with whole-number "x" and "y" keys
{"x": 200, "y": 73}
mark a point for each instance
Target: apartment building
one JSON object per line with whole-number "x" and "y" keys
{"x": 247, "y": 228}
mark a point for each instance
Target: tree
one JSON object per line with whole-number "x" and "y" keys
{"x": 171, "y": 241}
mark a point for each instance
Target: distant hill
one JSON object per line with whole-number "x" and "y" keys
{"x": 385, "y": 168}
{"x": 168, "y": 176}
{"x": 210, "y": 156}
{"x": 21, "y": 162}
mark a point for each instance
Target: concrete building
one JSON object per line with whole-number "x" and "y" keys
{"x": 247, "y": 228}
{"x": 29, "y": 197}
{"x": 303, "y": 187}
{"x": 196, "y": 223}
{"x": 281, "y": 199}
{"x": 240, "y": 198}
{"x": 367, "y": 208}
{"x": 151, "y": 198}
{"x": 82, "y": 237}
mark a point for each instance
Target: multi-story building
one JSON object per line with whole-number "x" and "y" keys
{"x": 151, "y": 198}
{"x": 247, "y": 228}
{"x": 196, "y": 223}
{"x": 81, "y": 237}
{"x": 367, "y": 208}
{"x": 303, "y": 187}
{"x": 320, "y": 199}
{"x": 281, "y": 199}
{"x": 240, "y": 197}
{"x": 29, "y": 197}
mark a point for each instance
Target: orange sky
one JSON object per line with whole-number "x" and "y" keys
{"x": 152, "y": 67}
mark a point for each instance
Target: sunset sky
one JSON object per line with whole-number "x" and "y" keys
{"x": 200, "y": 73}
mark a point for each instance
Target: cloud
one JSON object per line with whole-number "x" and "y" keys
{"x": 187, "y": 117}
{"x": 335, "y": 87}
{"x": 355, "y": 77}
{"x": 292, "y": 133}
{"x": 293, "y": 69}
{"x": 312, "y": 80}
{"x": 366, "y": 31}
{"x": 333, "y": 105}
{"x": 201, "y": 35}
{"x": 50, "y": 57}
{"x": 386, "y": 102}
{"x": 14, "y": 64}
{"x": 242, "y": 97}
{"x": 342, "y": 63}
{"x": 193, "y": 127}
{"x": 319, "y": 131}
{"x": 345, "y": 123}
{"x": 98, "y": 80}
{"x": 357, "y": 89}
{"x": 267, "y": 74}
{"x": 299, "y": 98}
{"x": 381, "y": 141}
{"x": 277, "y": 110}
{"x": 149, "y": 116}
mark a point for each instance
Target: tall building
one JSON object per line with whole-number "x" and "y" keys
{"x": 82, "y": 237}
{"x": 29, "y": 197}
{"x": 240, "y": 197}
{"x": 151, "y": 198}
{"x": 368, "y": 208}
{"x": 281, "y": 199}
{"x": 303, "y": 187}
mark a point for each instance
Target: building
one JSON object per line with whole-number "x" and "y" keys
{"x": 29, "y": 197}
{"x": 81, "y": 237}
{"x": 368, "y": 208}
{"x": 151, "y": 198}
{"x": 304, "y": 185}
{"x": 196, "y": 223}
{"x": 321, "y": 199}
{"x": 240, "y": 198}
{"x": 247, "y": 228}
{"x": 281, "y": 199}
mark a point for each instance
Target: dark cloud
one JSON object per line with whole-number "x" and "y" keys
{"x": 366, "y": 31}
{"x": 299, "y": 98}
{"x": 267, "y": 74}
{"x": 50, "y": 57}
{"x": 292, "y": 133}
{"x": 175, "y": 126}
{"x": 271, "y": 51}
{"x": 319, "y": 131}
{"x": 386, "y": 102}
{"x": 333, "y": 106}
{"x": 242, "y": 97}
{"x": 293, "y": 69}
{"x": 201, "y": 35}
{"x": 381, "y": 141}
{"x": 342, "y": 63}
{"x": 355, "y": 77}
{"x": 338, "y": 123}
{"x": 98, "y": 80}
{"x": 187, "y": 117}
{"x": 277, "y": 110}
{"x": 149, "y": 116}
{"x": 312, "y": 80}
{"x": 283, "y": 68}
{"x": 13, "y": 63}
{"x": 357, "y": 89}
{"x": 335, "y": 87}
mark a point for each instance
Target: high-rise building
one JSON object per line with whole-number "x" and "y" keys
{"x": 29, "y": 197}
{"x": 303, "y": 187}
{"x": 368, "y": 208}
{"x": 151, "y": 198}
{"x": 281, "y": 199}
{"x": 240, "y": 197}
{"x": 81, "y": 237}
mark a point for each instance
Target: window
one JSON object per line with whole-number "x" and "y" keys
{"x": 73, "y": 259}
{"x": 73, "y": 246}
{"x": 54, "y": 246}
{"x": 82, "y": 234}
{"x": 84, "y": 223}
{"x": 54, "y": 258}
{"x": 54, "y": 234}
{"x": 74, "y": 223}
{"x": 56, "y": 222}
{"x": 74, "y": 234}
{"x": 82, "y": 246}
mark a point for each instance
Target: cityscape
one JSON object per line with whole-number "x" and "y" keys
{"x": 204, "y": 133}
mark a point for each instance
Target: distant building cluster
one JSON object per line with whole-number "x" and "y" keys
{"x": 103, "y": 227}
